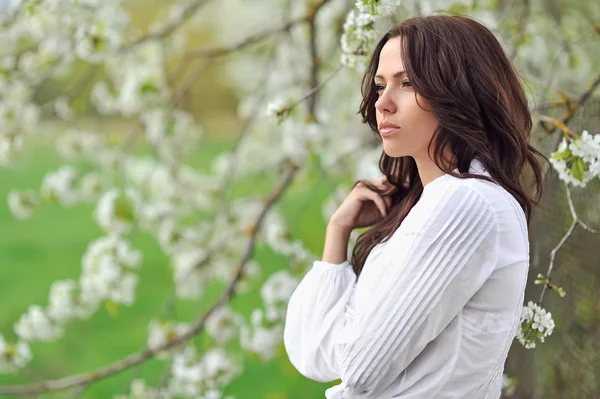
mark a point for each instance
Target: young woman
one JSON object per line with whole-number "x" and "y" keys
{"x": 430, "y": 303}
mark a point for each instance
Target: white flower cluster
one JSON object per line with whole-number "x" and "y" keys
{"x": 161, "y": 332}
{"x": 260, "y": 339}
{"x": 103, "y": 277}
{"x": 17, "y": 113}
{"x": 138, "y": 82}
{"x": 36, "y": 325}
{"x": 173, "y": 237}
{"x": 101, "y": 35}
{"x": 202, "y": 378}
{"x": 22, "y": 204}
{"x": 13, "y": 357}
{"x": 139, "y": 390}
{"x": 277, "y": 236}
{"x": 61, "y": 186}
{"x": 106, "y": 274}
{"x": 77, "y": 144}
{"x": 63, "y": 109}
{"x": 223, "y": 325}
{"x": 578, "y": 161}
{"x": 189, "y": 273}
{"x": 536, "y": 324}
{"x": 276, "y": 293}
{"x": 279, "y": 109}
{"x": 300, "y": 139}
{"x": 509, "y": 385}
{"x": 65, "y": 186}
{"x": 359, "y": 30}
{"x": 115, "y": 211}
{"x": 172, "y": 132}
{"x": 62, "y": 302}
{"x": 179, "y": 192}
{"x": 43, "y": 43}
{"x": 9, "y": 147}
{"x": 377, "y": 7}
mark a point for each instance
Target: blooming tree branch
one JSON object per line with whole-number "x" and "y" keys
{"x": 158, "y": 193}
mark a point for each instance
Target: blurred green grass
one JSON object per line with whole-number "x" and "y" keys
{"x": 48, "y": 247}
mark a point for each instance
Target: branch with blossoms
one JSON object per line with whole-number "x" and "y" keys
{"x": 158, "y": 193}
{"x": 121, "y": 206}
{"x": 183, "y": 14}
{"x": 137, "y": 358}
{"x": 577, "y": 161}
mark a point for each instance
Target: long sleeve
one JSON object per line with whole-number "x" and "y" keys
{"x": 450, "y": 250}
{"x": 315, "y": 314}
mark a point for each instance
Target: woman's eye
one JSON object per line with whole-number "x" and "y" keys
{"x": 378, "y": 88}
{"x": 406, "y": 82}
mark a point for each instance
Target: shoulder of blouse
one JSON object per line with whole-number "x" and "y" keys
{"x": 326, "y": 266}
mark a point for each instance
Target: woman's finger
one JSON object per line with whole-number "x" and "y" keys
{"x": 380, "y": 203}
{"x": 388, "y": 201}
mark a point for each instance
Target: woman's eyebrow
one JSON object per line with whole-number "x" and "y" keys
{"x": 396, "y": 75}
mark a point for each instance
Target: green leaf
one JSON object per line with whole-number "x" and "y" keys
{"x": 124, "y": 209}
{"x": 562, "y": 154}
{"x": 149, "y": 88}
{"x": 577, "y": 169}
{"x": 111, "y": 308}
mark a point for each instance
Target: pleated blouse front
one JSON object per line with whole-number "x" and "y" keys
{"x": 435, "y": 309}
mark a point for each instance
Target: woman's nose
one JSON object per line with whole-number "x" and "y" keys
{"x": 385, "y": 104}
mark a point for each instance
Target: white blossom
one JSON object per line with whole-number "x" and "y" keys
{"x": 102, "y": 97}
{"x": 377, "y": 7}
{"x": 578, "y": 161}
{"x": 277, "y": 237}
{"x": 139, "y": 390}
{"x": 75, "y": 144}
{"x": 62, "y": 301}
{"x": 61, "y": 186}
{"x": 162, "y": 332}
{"x": 359, "y": 36}
{"x": 63, "y": 109}
{"x": 91, "y": 186}
{"x": 22, "y": 204}
{"x": 35, "y": 325}
{"x": 115, "y": 212}
{"x": 259, "y": 339}
{"x": 276, "y": 292}
{"x": 189, "y": 275}
{"x": 106, "y": 272}
{"x": 9, "y": 148}
{"x": 161, "y": 195}
{"x": 194, "y": 376}
{"x": 13, "y": 357}
{"x": 223, "y": 325}
{"x": 536, "y": 324}
{"x": 508, "y": 385}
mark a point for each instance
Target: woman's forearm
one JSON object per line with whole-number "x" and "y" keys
{"x": 336, "y": 244}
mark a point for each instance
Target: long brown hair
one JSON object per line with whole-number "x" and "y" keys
{"x": 460, "y": 68}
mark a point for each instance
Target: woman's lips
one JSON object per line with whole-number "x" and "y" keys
{"x": 388, "y": 131}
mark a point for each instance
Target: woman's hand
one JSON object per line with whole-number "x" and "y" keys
{"x": 363, "y": 206}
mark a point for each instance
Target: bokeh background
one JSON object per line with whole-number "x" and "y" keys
{"x": 36, "y": 252}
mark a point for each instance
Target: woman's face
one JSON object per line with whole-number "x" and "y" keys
{"x": 397, "y": 105}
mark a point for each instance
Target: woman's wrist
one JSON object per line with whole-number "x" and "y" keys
{"x": 336, "y": 244}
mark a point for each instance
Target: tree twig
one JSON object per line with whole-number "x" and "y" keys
{"x": 188, "y": 11}
{"x": 137, "y": 358}
{"x": 569, "y": 113}
{"x": 576, "y": 221}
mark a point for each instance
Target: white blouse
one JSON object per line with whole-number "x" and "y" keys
{"x": 436, "y": 307}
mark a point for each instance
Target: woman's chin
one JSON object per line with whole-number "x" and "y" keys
{"x": 394, "y": 152}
